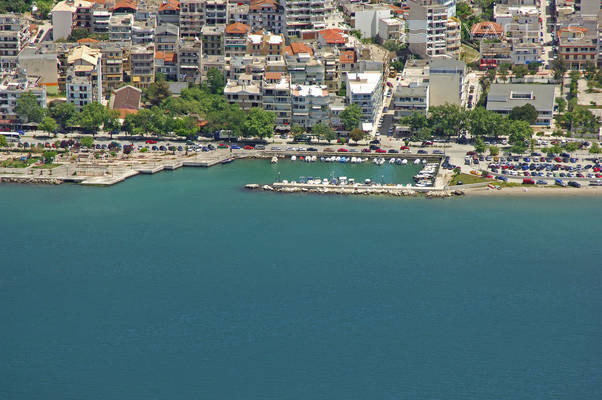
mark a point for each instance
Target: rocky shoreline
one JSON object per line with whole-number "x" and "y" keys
{"x": 31, "y": 180}
{"x": 382, "y": 191}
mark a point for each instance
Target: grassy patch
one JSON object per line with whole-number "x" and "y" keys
{"x": 18, "y": 163}
{"x": 468, "y": 54}
{"x": 468, "y": 179}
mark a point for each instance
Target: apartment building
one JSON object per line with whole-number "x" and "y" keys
{"x": 265, "y": 44}
{"x": 191, "y": 19}
{"x": 494, "y": 54}
{"x": 245, "y": 92}
{"x": 309, "y": 105}
{"x": 14, "y": 36}
{"x": 578, "y": 45}
{"x": 167, "y": 37}
{"x": 120, "y": 27}
{"x": 166, "y": 63}
{"x": 305, "y": 15}
{"x": 266, "y": 15}
{"x": 142, "y": 65}
{"x": 215, "y": 12}
{"x": 12, "y": 86}
{"x": 168, "y": 12}
{"x": 238, "y": 12}
{"x": 433, "y": 30}
{"x": 235, "y": 39}
{"x": 410, "y": 98}
{"x": 189, "y": 62}
{"x": 212, "y": 37}
{"x": 276, "y": 97}
{"x": 83, "y": 79}
{"x": 112, "y": 64}
{"x": 143, "y": 31}
{"x": 101, "y": 19}
{"x": 366, "y": 90}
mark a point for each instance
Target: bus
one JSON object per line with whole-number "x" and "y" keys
{"x": 392, "y": 72}
{"x": 11, "y": 136}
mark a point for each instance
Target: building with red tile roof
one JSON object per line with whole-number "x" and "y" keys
{"x": 331, "y": 37}
{"x": 297, "y": 48}
{"x": 125, "y": 6}
{"x": 486, "y": 30}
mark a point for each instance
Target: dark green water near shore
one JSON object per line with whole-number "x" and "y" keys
{"x": 181, "y": 285}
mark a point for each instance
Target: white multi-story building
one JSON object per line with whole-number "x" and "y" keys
{"x": 12, "y": 86}
{"x": 276, "y": 97}
{"x": 305, "y": 15}
{"x": 433, "y": 28}
{"x": 309, "y": 105}
{"x": 366, "y": 90}
{"x": 120, "y": 27}
{"x": 84, "y": 76}
{"x": 244, "y": 92}
{"x": 14, "y": 36}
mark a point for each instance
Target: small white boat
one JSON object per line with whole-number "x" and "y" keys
{"x": 338, "y": 159}
{"x": 274, "y": 160}
{"x": 392, "y": 161}
{"x": 293, "y": 158}
{"x": 417, "y": 161}
{"x": 404, "y": 161}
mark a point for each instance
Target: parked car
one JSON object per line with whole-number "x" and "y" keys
{"x": 528, "y": 181}
{"x": 248, "y": 147}
{"x": 404, "y": 148}
{"x": 366, "y": 150}
{"x": 393, "y": 151}
{"x": 380, "y": 151}
{"x": 222, "y": 146}
{"x": 260, "y": 147}
{"x": 342, "y": 150}
{"x": 151, "y": 141}
{"x": 235, "y": 147}
{"x": 574, "y": 184}
{"x": 422, "y": 152}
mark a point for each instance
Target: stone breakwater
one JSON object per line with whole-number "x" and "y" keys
{"x": 31, "y": 180}
{"x": 383, "y": 191}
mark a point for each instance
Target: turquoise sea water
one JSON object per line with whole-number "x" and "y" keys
{"x": 181, "y": 285}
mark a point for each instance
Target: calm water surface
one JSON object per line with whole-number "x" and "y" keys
{"x": 181, "y": 285}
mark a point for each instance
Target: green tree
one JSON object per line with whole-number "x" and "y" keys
{"x": 479, "y": 145}
{"x": 494, "y": 150}
{"x": 157, "y": 92}
{"x": 92, "y": 117}
{"x": 3, "y": 141}
{"x": 520, "y": 70}
{"x": 49, "y": 156}
{"x": 448, "y": 120}
{"x": 297, "y": 131}
{"x": 182, "y": 126}
{"x": 520, "y": 133}
{"x": 323, "y": 131}
{"x": 558, "y": 67}
{"x": 526, "y": 113}
{"x": 533, "y": 67}
{"x": 416, "y": 121}
{"x": 215, "y": 81}
{"x": 86, "y": 141}
{"x": 595, "y": 148}
{"x": 62, "y": 113}
{"x": 357, "y": 134}
{"x": 259, "y": 123}
{"x": 230, "y": 117}
{"x": 351, "y": 117}
{"x": 48, "y": 124}
{"x": 561, "y": 103}
{"x": 503, "y": 71}
{"x": 572, "y": 146}
{"x": 482, "y": 122}
{"x": 28, "y": 109}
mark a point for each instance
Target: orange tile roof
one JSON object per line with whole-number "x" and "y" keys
{"x": 259, "y": 4}
{"x": 87, "y": 40}
{"x": 237, "y": 28}
{"x": 571, "y": 29}
{"x": 273, "y": 76}
{"x": 167, "y": 56}
{"x": 125, "y": 4}
{"x": 487, "y": 28}
{"x": 332, "y": 36}
{"x": 170, "y": 5}
{"x": 298, "y": 47}
{"x": 347, "y": 57}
